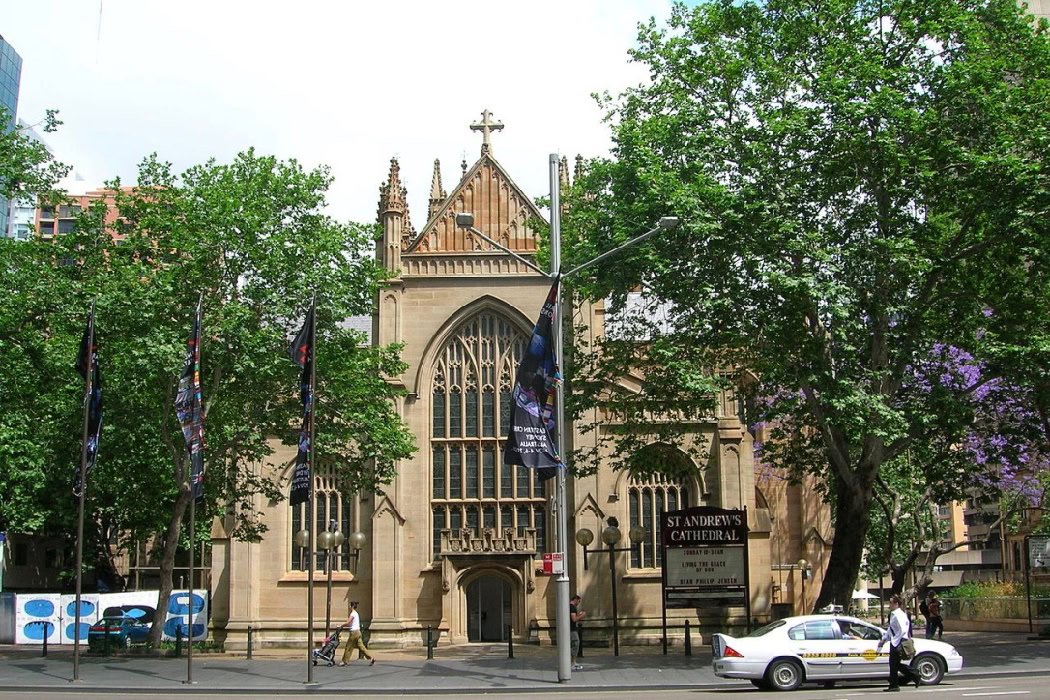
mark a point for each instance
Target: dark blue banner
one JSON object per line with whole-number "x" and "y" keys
{"x": 530, "y": 442}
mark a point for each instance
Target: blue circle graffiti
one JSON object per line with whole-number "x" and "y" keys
{"x": 177, "y": 604}
{"x": 38, "y": 629}
{"x": 86, "y": 608}
{"x": 39, "y": 607}
{"x": 71, "y": 631}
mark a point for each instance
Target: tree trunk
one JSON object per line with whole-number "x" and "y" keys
{"x": 852, "y": 520}
{"x": 167, "y": 564}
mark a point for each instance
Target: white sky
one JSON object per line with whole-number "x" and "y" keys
{"x": 349, "y": 84}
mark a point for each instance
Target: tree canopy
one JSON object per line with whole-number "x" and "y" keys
{"x": 862, "y": 184}
{"x": 249, "y": 237}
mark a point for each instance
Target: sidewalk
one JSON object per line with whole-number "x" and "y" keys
{"x": 464, "y": 669}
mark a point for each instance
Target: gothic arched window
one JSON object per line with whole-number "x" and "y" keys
{"x": 471, "y": 399}
{"x": 647, "y": 498}
{"x": 331, "y": 505}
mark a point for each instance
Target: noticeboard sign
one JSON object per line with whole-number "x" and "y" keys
{"x": 704, "y": 557}
{"x": 1039, "y": 552}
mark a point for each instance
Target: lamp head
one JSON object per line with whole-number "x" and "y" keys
{"x": 464, "y": 220}
{"x": 584, "y": 536}
{"x": 611, "y": 535}
{"x": 324, "y": 540}
{"x": 637, "y": 534}
{"x": 668, "y": 222}
{"x": 357, "y": 540}
{"x": 802, "y": 564}
{"x": 302, "y": 538}
{"x": 338, "y": 538}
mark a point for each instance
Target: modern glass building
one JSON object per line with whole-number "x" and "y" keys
{"x": 10, "y": 76}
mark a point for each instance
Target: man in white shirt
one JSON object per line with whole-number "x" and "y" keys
{"x": 898, "y": 630}
{"x": 355, "y": 641}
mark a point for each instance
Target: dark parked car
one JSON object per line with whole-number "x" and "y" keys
{"x": 122, "y": 633}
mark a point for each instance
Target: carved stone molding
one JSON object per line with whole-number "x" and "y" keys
{"x": 467, "y": 541}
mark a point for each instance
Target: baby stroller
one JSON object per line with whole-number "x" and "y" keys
{"x": 328, "y": 648}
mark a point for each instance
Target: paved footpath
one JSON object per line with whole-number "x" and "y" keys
{"x": 465, "y": 669}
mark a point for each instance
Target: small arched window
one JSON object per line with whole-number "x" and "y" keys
{"x": 647, "y": 498}
{"x": 331, "y": 505}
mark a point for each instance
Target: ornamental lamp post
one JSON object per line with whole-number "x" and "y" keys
{"x": 329, "y": 540}
{"x": 611, "y": 536}
{"x": 803, "y": 567}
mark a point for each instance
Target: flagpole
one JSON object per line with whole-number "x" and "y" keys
{"x": 83, "y": 491}
{"x": 193, "y": 504}
{"x": 312, "y": 505}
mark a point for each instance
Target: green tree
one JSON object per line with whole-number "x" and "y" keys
{"x": 251, "y": 236}
{"x": 860, "y": 183}
{"x": 32, "y": 292}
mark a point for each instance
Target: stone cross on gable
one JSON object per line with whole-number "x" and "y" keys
{"x": 486, "y": 126}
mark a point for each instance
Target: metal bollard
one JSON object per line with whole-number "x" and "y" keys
{"x": 579, "y": 630}
{"x": 105, "y": 640}
{"x": 688, "y": 640}
{"x": 510, "y": 642}
{"x": 430, "y": 642}
{"x": 178, "y": 641}
{"x": 47, "y": 633}
{"x": 249, "y": 642}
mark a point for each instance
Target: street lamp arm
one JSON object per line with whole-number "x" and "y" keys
{"x": 666, "y": 223}
{"x": 608, "y": 253}
{"x": 507, "y": 250}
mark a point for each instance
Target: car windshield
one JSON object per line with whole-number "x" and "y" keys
{"x": 767, "y": 629}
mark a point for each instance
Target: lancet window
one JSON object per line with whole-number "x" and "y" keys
{"x": 647, "y": 498}
{"x": 330, "y": 505}
{"x": 471, "y": 400}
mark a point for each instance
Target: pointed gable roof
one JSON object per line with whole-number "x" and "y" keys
{"x": 501, "y": 211}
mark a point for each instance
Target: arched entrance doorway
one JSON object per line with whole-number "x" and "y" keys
{"x": 488, "y": 609}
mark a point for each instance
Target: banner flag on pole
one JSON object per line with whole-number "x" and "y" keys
{"x": 530, "y": 442}
{"x": 302, "y": 354}
{"x": 188, "y": 408}
{"x": 87, "y": 359}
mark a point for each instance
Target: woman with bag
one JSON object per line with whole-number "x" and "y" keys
{"x": 898, "y": 634}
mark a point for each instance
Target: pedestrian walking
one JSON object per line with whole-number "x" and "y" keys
{"x": 354, "y": 641}
{"x": 898, "y": 634}
{"x": 935, "y": 623}
{"x": 576, "y": 621}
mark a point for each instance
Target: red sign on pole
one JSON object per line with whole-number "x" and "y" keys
{"x": 553, "y": 563}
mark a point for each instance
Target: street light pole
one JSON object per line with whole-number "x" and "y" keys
{"x": 803, "y": 566}
{"x": 466, "y": 220}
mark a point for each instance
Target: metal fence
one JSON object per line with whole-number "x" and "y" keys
{"x": 1005, "y": 607}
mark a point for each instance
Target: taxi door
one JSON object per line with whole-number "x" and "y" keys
{"x": 861, "y": 659}
{"x": 819, "y": 645}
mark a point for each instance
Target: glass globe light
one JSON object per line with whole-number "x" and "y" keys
{"x": 611, "y": 535}
{"x": 357, "y": 540}
{"x": 584, "y": 536}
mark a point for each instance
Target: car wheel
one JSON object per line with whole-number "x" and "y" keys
{"x": 929, "y": 668}
{"x": 784, "y": 675}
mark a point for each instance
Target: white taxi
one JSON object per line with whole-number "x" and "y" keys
{"x": 822, "y": 649}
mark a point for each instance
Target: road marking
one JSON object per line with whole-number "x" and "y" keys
{"x": 956, "y": 690}
{"x": 1002, "y": 692}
